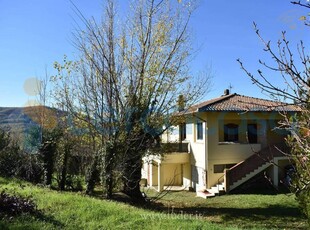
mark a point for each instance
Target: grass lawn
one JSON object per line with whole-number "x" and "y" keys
{"x": 66, "y": 210}
{"x": 259, "y": 211}
{"x": 178, "y": 210}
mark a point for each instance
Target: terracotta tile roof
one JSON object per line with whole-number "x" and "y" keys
{"x": 240, "y": 103}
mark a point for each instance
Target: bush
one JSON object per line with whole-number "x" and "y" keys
{"x": 74, "y": 182}
{"x": 16, "y": 163}
{"x": 303, "y": 197}
{"x": 10, "y": 160}
{"x": 12, "y": 205}
{"x": 31, "y": 168}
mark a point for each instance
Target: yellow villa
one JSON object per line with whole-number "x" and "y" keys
{"x": 222, "y": 144}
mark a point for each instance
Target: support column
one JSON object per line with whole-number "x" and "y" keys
{"x": 150, "y": 174}
{"x": 160, "y": 179}
{"x": 276, "y": 173}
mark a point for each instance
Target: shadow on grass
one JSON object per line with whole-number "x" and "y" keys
{"x": 272, "y": 216}
{"x": 49, "y": 219}
{"x": 265, "y": 190}
{"x": 29, "y": 221}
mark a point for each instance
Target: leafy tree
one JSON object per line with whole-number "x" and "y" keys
{"x": 68, "y": 148}
{"x": 10, "y": 159}
{"x": 15, "y": 162}
{"x": 295, "y": 73}
{"x": 44, "y": 136}
{"x": 126, "y": 84}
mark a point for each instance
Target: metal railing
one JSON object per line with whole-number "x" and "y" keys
{"x": 256, "y": 160}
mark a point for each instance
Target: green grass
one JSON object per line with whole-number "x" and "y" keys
{"x": 66, "y": 210}
{"x": 177, "y": 210}
{"x": 246, "y": 211}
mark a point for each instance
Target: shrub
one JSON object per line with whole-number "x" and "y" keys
{"x": 31, "y": 168}
{"x": 13, "y": 205}
{"x": 10, "y": 159}
{"x": 74, "y": 182}
{"x": 14, "y": 162}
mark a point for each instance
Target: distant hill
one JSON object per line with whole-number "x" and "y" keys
{"x": 15, "y": 119}
{"x": 19, "y": 120}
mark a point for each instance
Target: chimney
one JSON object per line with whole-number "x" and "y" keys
{"x": 226, "y": 92}
{"x": 181, "y": 103}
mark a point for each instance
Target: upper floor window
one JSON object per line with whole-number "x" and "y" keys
{"x": 199, "y": 131}
{"x": 252, "y": 133}
{"x": 231, "y": 132}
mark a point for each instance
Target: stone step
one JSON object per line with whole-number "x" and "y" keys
{"x": 217, "y": 188}
{"x": 211, "y": 192}
{"x": 205, "y": 194}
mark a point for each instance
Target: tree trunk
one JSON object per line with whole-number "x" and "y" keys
{"x": 63, "y": 179}
{"x": 132, "y": 176}
{"x": 108, "y": 171}
{"x": 92, "y": 176}
{"x": 47, "y": 152}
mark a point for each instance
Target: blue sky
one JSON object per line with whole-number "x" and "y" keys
{"x": 35, "y": 33}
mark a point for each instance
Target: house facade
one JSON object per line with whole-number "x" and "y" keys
{"x": 222, "y": 143}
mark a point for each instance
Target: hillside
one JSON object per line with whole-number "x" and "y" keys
{"x": 19, "y": 119}
{"x": 66, "y": 210}
{"x": 177, "y": 210}
{"x": 15, "y": 119}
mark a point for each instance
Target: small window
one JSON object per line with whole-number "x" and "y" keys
{"x": 218, "y": 168}
{"x": 183, "y": 131}
{"x": 252, "y": 133}
{"x": 231, "y": 132}
{"x": 199, "y": 131}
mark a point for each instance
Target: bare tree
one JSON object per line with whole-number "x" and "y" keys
{"x": 127, "y": 82}
{"x": 295, "y": 73}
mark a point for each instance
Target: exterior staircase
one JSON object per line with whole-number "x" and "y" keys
{"x": 245, "y": 170}
{"x": 216, "y": 190}
{"x": 249, "y": 175}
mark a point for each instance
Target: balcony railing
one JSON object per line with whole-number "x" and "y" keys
{"x": 171, "y": 147}
{"x": 175, "y": 147}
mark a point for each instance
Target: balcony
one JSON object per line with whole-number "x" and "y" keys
{"x": 174, "y": 147}
{"x": 171, "y": 153}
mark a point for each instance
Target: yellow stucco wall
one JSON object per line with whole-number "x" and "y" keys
{"x": 187, "y": 177}
{"x": 176, "y": 158}
{"x": 198, "y": 147}
{"x": 172, "y": 174}
{"x": 212, "y": 150}
{"x": 154, "y": 175}
{"x": 220, "y": 152}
